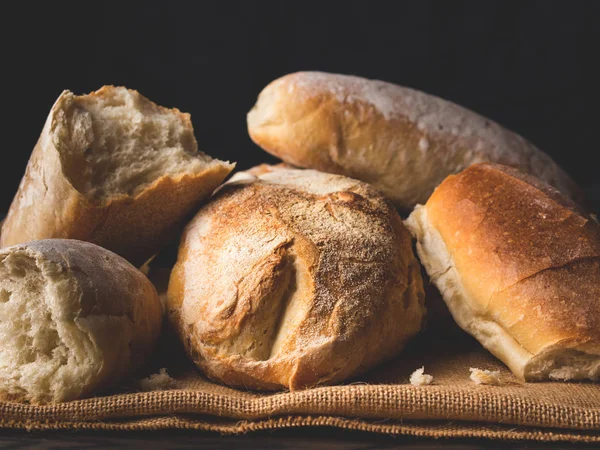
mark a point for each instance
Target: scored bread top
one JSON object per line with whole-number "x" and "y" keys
{"x": 527, "y": 255}
{"x": 292, "y": 278}
{"x": 403, "y": 141}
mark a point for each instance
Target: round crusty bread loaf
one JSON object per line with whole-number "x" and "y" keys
{"x": 402, "y": 141}
{"x": 293, "y": 278}
{"x": 74, "y": 319}
{"x": 115, "y": 169}
{"x": 519, "y": 268}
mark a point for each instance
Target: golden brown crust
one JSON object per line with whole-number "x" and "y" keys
{"x": 499, "y": 212}
{"x": 47, "y": 205}
{"x": 402, "y": 141}
{"x": 293, "y": 278}
{"x": 526, "y": 258}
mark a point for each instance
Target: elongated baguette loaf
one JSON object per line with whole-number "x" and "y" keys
{"x": 114, "y": 169}
{"x": 402, "y": 141}
{"x": 519, "y": 268}
{"x": 75, "y": 319}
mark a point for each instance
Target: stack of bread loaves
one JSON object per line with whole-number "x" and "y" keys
{"x": 287, "y": 276}
{"x": 516, "y": 261}
{"x": 114, "y": 169}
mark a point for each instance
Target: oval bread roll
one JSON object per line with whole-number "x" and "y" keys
{"x": 519, "y": 268}
{"x": 115, "y": 169}
{"x": 74, "y": 319}
{"x": 402, "y": 141}
{"x": 292, "y": 278}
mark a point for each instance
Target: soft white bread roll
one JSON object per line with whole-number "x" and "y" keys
{"x": 519, "y": 268}
{"x": 402, "y": 141}
{"x": 115, "y": 169}
{"x": 74, "y": 319}
{"x": 292, "y": 278}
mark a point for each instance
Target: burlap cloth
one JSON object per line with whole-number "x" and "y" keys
{"x": 382, "y": 401}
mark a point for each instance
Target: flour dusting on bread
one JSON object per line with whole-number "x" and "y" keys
{"x": 401, "y": 140}
{"x": 292, "y": 278}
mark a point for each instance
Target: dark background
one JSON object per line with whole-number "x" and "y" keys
{"x": 530, "y": 65}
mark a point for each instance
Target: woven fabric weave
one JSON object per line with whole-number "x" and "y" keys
{"x": 382, "y": 401}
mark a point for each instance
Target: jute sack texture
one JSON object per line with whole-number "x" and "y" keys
{"x": 382, "y": 401}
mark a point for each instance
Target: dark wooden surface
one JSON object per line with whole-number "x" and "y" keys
{"x": 330, "y": 439}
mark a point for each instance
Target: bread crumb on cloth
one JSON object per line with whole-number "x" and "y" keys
{"x": 420, "y": 378}
{"x": 489, "y": 377}
{"x": 160, "y": 381}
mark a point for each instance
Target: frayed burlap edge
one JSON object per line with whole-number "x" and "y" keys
{"x": 418, "y": 429}
{"x": 368, "y": 402}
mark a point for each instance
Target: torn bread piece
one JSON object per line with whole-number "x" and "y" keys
{"x": 420, "y": 378}
{"x": 518, "y": 265}
{"x": 115, "y": 169}
{"x": 160, "y": 381}
{"x": 489, "y": 377}
{"x": 75, "y": 319}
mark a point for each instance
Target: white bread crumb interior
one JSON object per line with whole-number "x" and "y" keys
{"x": 158, "y": 381}
{"x": 489, "y": 377}
{"x": 46, "y": 353}
{"x": 117, "y": 142}
{"x": 420, "y": 378}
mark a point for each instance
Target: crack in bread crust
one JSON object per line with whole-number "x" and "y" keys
{"x": 356, "y": 294}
